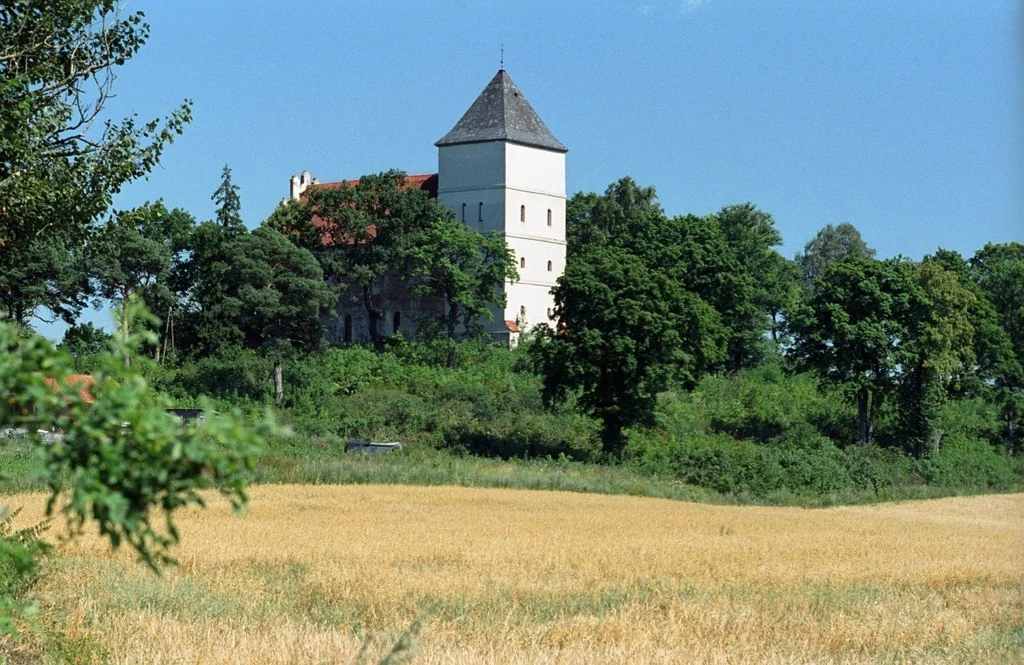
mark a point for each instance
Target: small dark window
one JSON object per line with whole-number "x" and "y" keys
{"x": 549, "y": 216}
{"x": 550, "y": 313}
{"x": 522, "y": 262}
{"x": 348, "y": 328}
{"x": 463, "y": 213}
{"x": 396, "y": 322}
{"x": 480, "y": 212}
{"x": 549, "y": 266}
{"x": 522, "y": 311}
{"x": 522, "y": 213}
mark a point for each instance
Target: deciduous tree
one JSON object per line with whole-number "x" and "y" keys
{"x": 630, "y": 322}
{"x": 463, "y": 266}
{"x": 141, "y": 252}
{"x": 60, "y": 165}
{"x": 998, "y": 270}
{"x": 850, "y": 328}
{"x": 273, "y": 293}
{"x": 938, "y": 351}
{"x": 360, "y": 232}
{"x": 832, "y": 244}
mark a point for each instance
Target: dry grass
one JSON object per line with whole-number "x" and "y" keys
{"x": 506, "y": 576}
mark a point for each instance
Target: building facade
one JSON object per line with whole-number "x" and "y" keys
{"x": 499, "y": 169}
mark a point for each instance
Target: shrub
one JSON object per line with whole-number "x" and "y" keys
{"x": 526, "y": 435}
{"x": 712, "y": 460}
{"x": 810, "y": 462}
{"x": 969, "y": 463}
{"x": 880, "y": 470}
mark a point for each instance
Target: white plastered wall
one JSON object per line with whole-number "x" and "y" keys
{"x": 506, "y": 177}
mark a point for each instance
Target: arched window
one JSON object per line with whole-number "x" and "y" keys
{"x": 522, "y": 213}
{"x": 396, "y": 322}
{"x": 522, "y": 262}
{"x": 463, "y": 213}
{"x": 549, "y": 216}
{"x": 549, "y": 266}
{"x": 348, "y": 328}
{"x": 480, "y": 212}
{"x": 522, "y": 311}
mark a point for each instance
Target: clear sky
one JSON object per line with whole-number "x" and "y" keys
{"x": 903, "y": 118}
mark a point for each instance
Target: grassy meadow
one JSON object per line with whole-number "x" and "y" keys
{"x": 334, "y": 574}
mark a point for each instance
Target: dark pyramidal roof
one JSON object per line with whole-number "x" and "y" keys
{"x": 501, "y": 113}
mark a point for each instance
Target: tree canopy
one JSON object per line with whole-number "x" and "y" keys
{"x": 465, "y": 268}
{"x": 61, "y": 162}
{"x": 628, "y": 326}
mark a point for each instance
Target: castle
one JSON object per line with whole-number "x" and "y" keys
{"x": 499, "y": 169}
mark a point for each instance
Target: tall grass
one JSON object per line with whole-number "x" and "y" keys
{"x": 314, "y": 574}
{"x": 322, "y": 460}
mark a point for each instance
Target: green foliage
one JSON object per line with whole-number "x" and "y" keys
{"x": 885, "y": 472}
{"x": 971, "y": 464}
{"x": 142, "y": 252}
{"x": 628, "y": 327}
{"x": 20, "y": 551}
{"x": 85, "y": 342}
{"x": 832, "y": 244}
{"x": 766, "y": 436}
{"x": 274, "y": 292}
{"x": 938, "y": 353}
{"x": 465, "y": 268}
{"x": 529, "y": 436}
{"x": 44, "y": 272}
{"x": 757, "y": 284}
{"x": 998, "y": 272}
{"x": 715, "y": 461}
{"x": 233, "y": 374}
{"x": 229, "y": 203}
{"x": 60, "y": 164}
{"x": 362, "y": 232}
{"x": 121, "y": 462}
{"x": 810, "y": 462}
{"x": 850, "y": 330}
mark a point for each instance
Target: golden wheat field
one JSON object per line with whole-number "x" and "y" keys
{"x": 327, "y": 574}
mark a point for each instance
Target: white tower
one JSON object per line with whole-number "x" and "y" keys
{"x": 501, "y": 169}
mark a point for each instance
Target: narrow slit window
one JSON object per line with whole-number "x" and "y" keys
{"x": 549, "y": 266}
{"x": 480, "y": 212}
{"x": 522, "y": 262}
{"x": 549, "y": 216}
{"x": 463, "y": 213}
{"x": 522, "y": 213}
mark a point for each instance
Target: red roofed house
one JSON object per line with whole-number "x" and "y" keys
{"x": 499, "y": 169}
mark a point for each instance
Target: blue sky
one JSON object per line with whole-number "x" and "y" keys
{"x": 903, "y": 118}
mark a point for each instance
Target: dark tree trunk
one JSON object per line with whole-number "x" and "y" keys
{"x": 863, "y": 421}
{"x": 374, "y": 316}
{"x": 612, "y": 442}
{"x": 452, "y": 321}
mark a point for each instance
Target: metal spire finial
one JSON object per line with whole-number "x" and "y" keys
{"x": 502, "y": 56}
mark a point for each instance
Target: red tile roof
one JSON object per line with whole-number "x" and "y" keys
{"x": 80, "y": 383}
{"x": 427, "y": 182}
